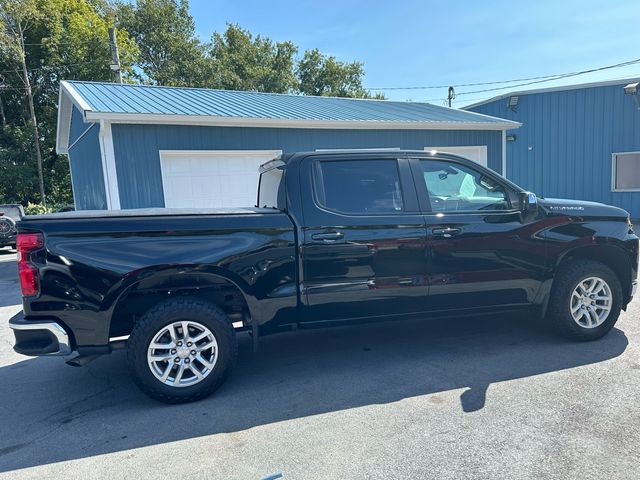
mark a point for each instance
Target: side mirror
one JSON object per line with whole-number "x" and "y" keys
{"x": 528, "y": 202}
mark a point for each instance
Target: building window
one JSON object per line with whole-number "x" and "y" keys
{"x": 626, "y": 172}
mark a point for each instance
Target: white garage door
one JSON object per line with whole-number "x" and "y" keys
{"x": 476, "y": 153}
{"x": 212, "y": 178}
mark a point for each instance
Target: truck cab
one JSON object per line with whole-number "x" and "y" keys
{"x": 426, "y": 233}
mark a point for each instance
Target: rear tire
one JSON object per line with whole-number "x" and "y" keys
{"x": 167, "y": 358}
{"x": 585, "y": 300}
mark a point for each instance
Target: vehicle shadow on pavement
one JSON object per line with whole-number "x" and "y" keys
{"x": 51, "y": 413}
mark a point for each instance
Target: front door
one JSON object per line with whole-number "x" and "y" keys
{"x": 363, "y": 244}
{"x": 481, "y": 254}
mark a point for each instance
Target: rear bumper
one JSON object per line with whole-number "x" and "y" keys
{"x": 36, "y": 338}
{"x": 8, "y": 242}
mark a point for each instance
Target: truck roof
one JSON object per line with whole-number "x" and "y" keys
{"x": 356, "y": 152}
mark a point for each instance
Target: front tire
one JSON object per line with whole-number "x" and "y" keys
{"x": 181, "y": 350}
{"x": 585, "y": 300}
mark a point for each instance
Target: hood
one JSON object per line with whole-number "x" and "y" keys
{"x": 581, "y": 208}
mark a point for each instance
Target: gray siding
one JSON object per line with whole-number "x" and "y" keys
{"x": 138, "y": 161}
{"x": 564, "y": 146}
{"x": 86, "y": 165}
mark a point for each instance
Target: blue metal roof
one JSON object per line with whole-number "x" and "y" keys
{"x": 110, "y": 99}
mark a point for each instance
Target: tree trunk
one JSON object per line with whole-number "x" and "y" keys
{"x": 4, "y": 119}
{"x": 32, "y": 112}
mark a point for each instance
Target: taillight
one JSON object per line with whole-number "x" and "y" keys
{"x": 29, "y": 280}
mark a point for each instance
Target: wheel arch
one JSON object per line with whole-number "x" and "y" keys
{"x": 614, "y": 257}
{"x": 150, "y": 287}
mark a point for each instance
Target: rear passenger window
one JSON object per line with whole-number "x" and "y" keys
{"x": 359, "y": 186}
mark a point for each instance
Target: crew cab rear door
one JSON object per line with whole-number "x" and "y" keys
{"x": 481, "y": 252}
{"x": 363, "y": 240}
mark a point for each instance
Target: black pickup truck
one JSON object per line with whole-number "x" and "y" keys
{"x": 338, "y": 237}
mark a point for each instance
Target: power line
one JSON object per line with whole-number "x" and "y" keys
{"x": 45, "y": 68}
{"x": 618, "y": 65}
{"x": 538, "y": 79}
{"x": 430, "y": 87}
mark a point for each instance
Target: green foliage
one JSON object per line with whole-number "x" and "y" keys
{"x": 64, "y": 39}
{"x": 324, "y": 75}
{"x": 18, "y": 174}
{"x": 36, "y": 209}
{"x": 157, "y": 42}
{"x": 241, "y": 62}
{"x": 170, "y": 52}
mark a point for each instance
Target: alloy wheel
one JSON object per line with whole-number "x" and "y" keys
{"x": 591, "y": 302}
{"x": 182, "y": 353}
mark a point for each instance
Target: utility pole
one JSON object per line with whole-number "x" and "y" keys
{"x": 451, "y": 95}
{"x": 32, "y": 112}
{"x": 115, "y": 58}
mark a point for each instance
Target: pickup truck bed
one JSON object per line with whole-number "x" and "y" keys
{"x": 111, "y": 264}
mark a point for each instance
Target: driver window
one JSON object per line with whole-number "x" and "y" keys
{"x": 455, "y": 187}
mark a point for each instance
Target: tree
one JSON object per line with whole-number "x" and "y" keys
{"x": 170, "y": 52}
{"x": 17, "y": 17}
{"x": 323, "y": 75}
{"x": 61, "y": 39}
{"x": 45, "y": 41}
{"x": 241, "y": 62}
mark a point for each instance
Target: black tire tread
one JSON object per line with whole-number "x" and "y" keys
{"x": 564, "y": 283}
{"x": 152, "y": 320}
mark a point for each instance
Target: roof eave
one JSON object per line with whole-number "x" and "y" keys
{"x": 560, "y": 88}
{"x": 207, "y": 120}
{"x": 68, "y": 97}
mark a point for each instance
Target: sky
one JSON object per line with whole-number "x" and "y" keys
{"x": 405, "y": 43}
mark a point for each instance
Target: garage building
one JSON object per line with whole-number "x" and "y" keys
{"x": 577, "y": 141}
{"x": 140, "y": 146}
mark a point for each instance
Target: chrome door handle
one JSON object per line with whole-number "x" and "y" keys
{"x": 446, "y": 232}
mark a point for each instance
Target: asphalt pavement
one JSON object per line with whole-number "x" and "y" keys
{"x": 496, "y": 398}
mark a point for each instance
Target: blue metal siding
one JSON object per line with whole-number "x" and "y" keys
{"x": 77, "y": 127}
{"x": 564, "y": 146}
{"x": 86, "y": 165}
{"x": 138, "y": 161}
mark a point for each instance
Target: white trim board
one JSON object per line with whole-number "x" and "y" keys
{"x": 504, "y": 154}
{"x": 206, "y": 120}
{"x": 613, "y": 173}
{"x": 67, "y": 99}
{"x": 239, "y": 153}
{"x": 109, "y": 167}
